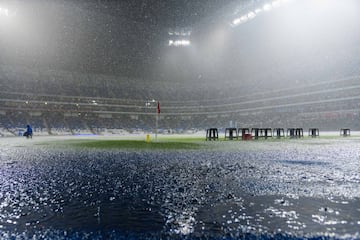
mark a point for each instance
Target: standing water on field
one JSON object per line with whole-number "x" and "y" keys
{"x": 290, "y": 189}
{"x": 90, "y": 68}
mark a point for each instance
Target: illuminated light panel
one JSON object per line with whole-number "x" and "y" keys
{"x": 183, "y": 33}
{"x": 4, "y": 12}
{"x": 267, "y": 7}
{"x": 236, "y": 21}
{"x": 276, "y": 4}
{"x": 252, "y": 14}
{"x": 244, "y": 18}
{"x": 179, "y": 43}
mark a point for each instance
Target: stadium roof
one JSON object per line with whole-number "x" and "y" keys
{"x": 301, "y": 41}
{"x": 104, "y": 36}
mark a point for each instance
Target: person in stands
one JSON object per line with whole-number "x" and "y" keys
{"x": 29, "y": 132}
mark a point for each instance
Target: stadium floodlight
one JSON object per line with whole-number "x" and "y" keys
{"x": 244, "y": 18}
{"x": 258, "y": 10}
{"x": 236, "y": 21}
{"x": 253, "y": 13}
{"x": 4, "y": 12}
{"x": 184, "y": 33}
{"x": 267, "y": 7}
{"x": 275, "y": 3}
{"x": 179, "y": 43}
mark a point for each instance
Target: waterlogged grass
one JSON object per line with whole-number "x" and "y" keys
{"x": 136, "y": 144}
{"x": 190, "y": 143}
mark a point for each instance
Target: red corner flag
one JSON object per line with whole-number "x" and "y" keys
{"x": 158, "y": 107}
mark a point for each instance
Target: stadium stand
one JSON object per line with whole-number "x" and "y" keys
{"x": 60, "y": 102}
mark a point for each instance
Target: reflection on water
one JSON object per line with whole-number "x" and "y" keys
{"x": 245, "y": 194}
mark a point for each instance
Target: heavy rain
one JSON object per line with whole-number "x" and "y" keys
{"x": 152, "y": 119}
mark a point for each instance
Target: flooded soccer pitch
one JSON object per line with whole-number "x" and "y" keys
{"x": 296, "y": 189}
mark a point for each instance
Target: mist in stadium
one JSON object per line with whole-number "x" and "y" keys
{"x": 187, "y": 119}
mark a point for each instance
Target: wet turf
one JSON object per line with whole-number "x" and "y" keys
{"x": 138, "y": 145}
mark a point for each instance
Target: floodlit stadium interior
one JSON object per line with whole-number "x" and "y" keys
{"x": 180, "y": 119}
{"x": 247, "y": 64}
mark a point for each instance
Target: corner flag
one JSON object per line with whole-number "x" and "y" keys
{"x": 158, "y": 107}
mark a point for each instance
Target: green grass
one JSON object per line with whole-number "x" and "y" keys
{"x": 179, "y": 143}
{"x": 136, "y": 144}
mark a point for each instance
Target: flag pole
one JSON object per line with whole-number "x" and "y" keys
{"x": 157, "y": 120}
{"x": 156, "y": 127}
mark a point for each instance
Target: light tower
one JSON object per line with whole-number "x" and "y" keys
{"x": 179, "y": 37}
